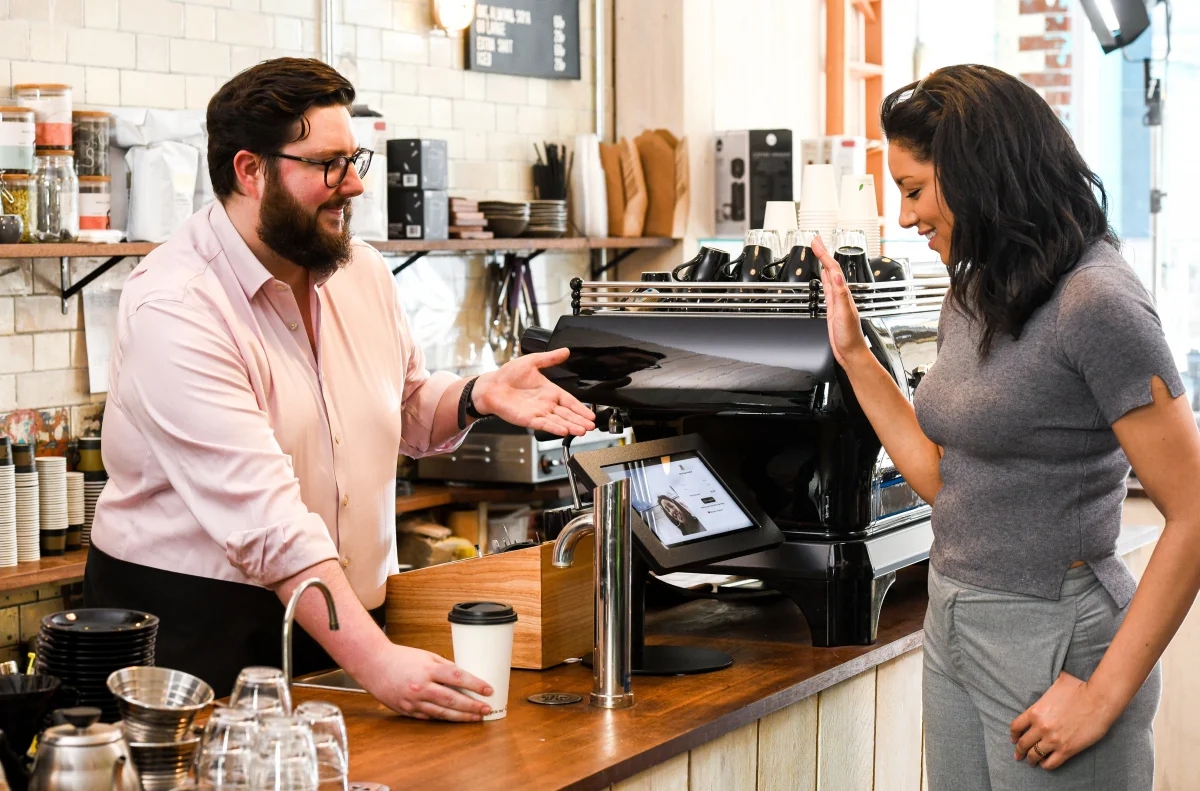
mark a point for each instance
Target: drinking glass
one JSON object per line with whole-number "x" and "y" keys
{"x": 767, "y": 239}
{"x": 285, "y": 756}
{"x": 850, "y": 251}
{"x": 226, "y": 748}
{"x": 262, "y": 690}
{"x": 333, "y": 747}
{"x": 800, "y": 262}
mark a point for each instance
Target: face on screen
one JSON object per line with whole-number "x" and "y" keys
{"x": 680, "y": 499}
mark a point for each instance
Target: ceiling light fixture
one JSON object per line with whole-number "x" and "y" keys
{"x": 453, "y": 16}
{"x": 1117, "y": 23}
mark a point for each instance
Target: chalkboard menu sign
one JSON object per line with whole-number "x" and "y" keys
{"x": 532, "y": 38}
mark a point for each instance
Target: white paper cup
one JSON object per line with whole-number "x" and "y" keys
{"x": 482, "y": 633}
{"x": 820, "y": 189}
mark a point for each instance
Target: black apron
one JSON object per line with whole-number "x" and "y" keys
{"x": 209, "y": 628}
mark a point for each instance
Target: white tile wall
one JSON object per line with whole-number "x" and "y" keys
{"x": 176, "y": 53}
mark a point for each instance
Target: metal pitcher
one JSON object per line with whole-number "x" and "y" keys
{"x": 83, "y": 755}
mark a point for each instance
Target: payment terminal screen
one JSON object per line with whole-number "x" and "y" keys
{"x": 679, "y": 498}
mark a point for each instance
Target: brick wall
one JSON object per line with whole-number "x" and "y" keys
{"x": 1044, "y": 56}
{"x": 174, "y": 54}
{"x": 21, "y": 614}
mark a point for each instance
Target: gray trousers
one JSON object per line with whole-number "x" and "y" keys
{"x": 990, "y": 655}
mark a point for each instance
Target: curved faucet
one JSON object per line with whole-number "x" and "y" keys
{"x": 289, "y": 617}
{"x": 564, "y": 545}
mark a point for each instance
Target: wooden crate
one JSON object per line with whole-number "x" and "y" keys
{"x": 554, "y": 606}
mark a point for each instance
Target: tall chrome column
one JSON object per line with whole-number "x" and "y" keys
{"x": 611, "y": 522}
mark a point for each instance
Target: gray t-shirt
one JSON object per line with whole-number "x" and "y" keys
{"x": 1033, "y": 476}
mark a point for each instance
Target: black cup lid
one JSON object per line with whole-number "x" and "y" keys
{"x": 482, "y": 613}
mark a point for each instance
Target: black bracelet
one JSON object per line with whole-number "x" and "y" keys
{"x": 466, "y": 405}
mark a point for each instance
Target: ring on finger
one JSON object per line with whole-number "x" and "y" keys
{"x": 1038, "y": 750}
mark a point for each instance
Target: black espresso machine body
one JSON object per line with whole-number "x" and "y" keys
{"x": 750, "y": 369}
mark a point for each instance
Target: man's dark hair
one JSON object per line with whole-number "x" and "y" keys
{"x": 262, "y": 109}
{"x": 1026, "y": 205}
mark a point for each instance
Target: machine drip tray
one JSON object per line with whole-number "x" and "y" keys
{"x": 675, "y": 660}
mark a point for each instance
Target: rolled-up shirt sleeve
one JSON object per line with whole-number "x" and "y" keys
{"x": 423, "y": 392}
{"x": 185, "y": 387}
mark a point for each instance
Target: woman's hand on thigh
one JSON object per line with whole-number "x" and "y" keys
{"x": 1066, "y": 720}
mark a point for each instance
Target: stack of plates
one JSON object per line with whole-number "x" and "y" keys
{"x": 29, "y": 522}
{"x": 507, "y": 219}
{"x": 85, "y": 647}
{"x": 547, "y": 219}
{"x": 8, "y": 515}
{"x": 93, "y": 484}
{"x": 52, "y": 483}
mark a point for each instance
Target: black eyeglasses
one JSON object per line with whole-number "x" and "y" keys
{"x": 336, "y": 168}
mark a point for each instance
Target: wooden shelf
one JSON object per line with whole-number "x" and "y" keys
{"x": 39, "y": 572}
{"x": 866, "y": 71}
{"x": 80, "y": 250}
{"x": 432, "y": 496}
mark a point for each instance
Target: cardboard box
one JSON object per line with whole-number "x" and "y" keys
{"x": 753, "y": 167}
{"x": 418, "y": 214}
{"x": 418, "y": 164}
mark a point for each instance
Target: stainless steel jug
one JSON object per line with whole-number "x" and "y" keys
{"x": 83, "y": 755}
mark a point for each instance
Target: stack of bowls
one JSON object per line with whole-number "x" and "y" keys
{"x": 158, "y": 707}
{"x": 29, "y": 522}
{"x": 547, "y": 219}
{"x": 85, "y": 647}
{"x": 507, "y": 219}
{"x": 819, "y": 202}
{"x": 52, "y": 487}
{"x": 858, "y": 211}
{"x": 8, "y": 507}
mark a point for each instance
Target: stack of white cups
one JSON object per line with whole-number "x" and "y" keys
{"x": 91, "y": 493}
{"x": 858, "y": 211}
{"x": 76, "y": 504}
{"x": 52, "y": 482}
{"x": 8, "y": 515}
{"x": 780, "y": 216}
{"x": 818, "y": 202}
{"x": 29, "y": 522}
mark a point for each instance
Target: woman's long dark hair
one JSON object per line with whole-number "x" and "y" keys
{"x": 1026, "y": 206}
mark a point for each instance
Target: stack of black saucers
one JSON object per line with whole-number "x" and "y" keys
{"x": 84, "y": 647}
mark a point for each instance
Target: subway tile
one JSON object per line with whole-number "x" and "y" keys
{"x": 14, "y": 38}
{"x": 6, "y": 316}
{"x": 31, "y": 10}
{"x": 306, "y": 9}
{"x": 412, "y": 16}
{"x": 368, "y": 13}
{"x": 507, "y": 89}
{"x": 101, "y": 14}
{"x": 374, "y": 75}
{"x": 245, "y": 5}
{"x": 16, "y": 353}
{"x": 508, "y": 147}
{"x": 445, "y": 51}
{"x": 51, "y": 350}
{"x": 38, "y": 71}
{"x": 47, "y": 276}
{"x": 199, "y": 90}
{"x": 243, "y": 27}
{"x": 472, "y": 175}
{"x": 68, "y": 13}
{"x": 404, "y": 77}
{"x": 102, "y": 48}
{"x": 309, "y": 39}
{"x": 535, "y": 121}
{"x": 146, "y": 89}
{"x": 200, "y": 22}
{"x": 153, "y": 52}
{"x": 441, "y": 112}
{"x": 367, "y": 42}
{"x": 407, "y": 110}
{"x": 475, "y": 116}
{"x": 345, "y": 40}
{"x": 538, "y": 93}
{"x": 38, "y": 388}
{"x": 506, "y": 118}
{"x": 10, "y": 626}
{"x": 198, "y": 57}
{"x": 161, "y": 17}
{"x": 16, "y": 277}
{"x": 44, "y": 313}
{"x": 78, "y": 353}
{"x": 49, "y": 42}
{"x": 404, "y": 47}
{"x": 31, "y": 616}
{"x": 474, "y": 85}
{"x": 447, "y": 83}
{"x": 289, "y": 33}
{"x": 8, "y": 392}
{"x": 103, "y": 86}
{"x": 242, "y": 58}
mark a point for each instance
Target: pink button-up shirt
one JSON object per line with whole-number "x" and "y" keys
{"x": 232, "y": 452}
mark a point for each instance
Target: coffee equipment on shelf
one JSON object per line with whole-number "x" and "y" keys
{"x": 749, "y": 369}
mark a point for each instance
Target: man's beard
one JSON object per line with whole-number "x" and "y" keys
{"x": 296, "y": 234}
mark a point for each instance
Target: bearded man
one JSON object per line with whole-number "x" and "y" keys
{"x": 263, "y": 381}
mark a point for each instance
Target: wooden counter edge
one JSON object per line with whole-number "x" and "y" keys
{"x": 727, "y": 723}
{"x": 39, "y": 572}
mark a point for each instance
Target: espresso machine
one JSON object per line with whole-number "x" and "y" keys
{"x": 749, "y": 369}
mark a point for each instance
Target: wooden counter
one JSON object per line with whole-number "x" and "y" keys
{"x": 579, "y": 747}
{"x": 58, "y": 568}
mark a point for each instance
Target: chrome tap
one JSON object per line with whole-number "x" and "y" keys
{"x": 611, "y": 523}
{"x": 289, "y": 617}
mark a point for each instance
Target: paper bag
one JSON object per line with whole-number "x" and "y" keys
{"x": 664, "y": 160}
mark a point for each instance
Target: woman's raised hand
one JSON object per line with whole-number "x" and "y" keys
{"x": 845, "y": 329}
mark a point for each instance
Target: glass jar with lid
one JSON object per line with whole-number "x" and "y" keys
{"x": 57, "y": 195}
{"x": 51, "y": 104}
{"x": 95, "y": 202}
{"x": 89, "y": 141}
{"x": 16, "y": 139}
{"x": 18, "y": 194}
